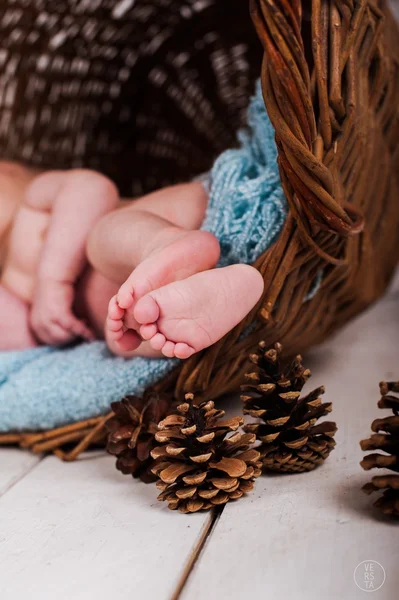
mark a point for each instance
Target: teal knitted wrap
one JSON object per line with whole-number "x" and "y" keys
{"x": 247, "y": 206}
{"x": 47, "y": 387}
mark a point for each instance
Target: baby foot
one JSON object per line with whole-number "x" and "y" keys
{"x": 189, "y": 253}
{"x": 187, "y": 316}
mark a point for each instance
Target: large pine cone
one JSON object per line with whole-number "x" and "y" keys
{"x": 132, "y": 432}
{"x": 199, "y": 466}
{"x": 292, "y": 442}
{"x": 388, "y": 442}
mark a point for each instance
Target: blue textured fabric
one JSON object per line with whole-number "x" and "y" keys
{"x": 247, "y": 206}
{"x": 46, "y": 387}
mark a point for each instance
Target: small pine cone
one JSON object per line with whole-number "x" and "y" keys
{"x": 388, "y": 442}
{"x": 198, "y": 465}
{"x": 132, "y": 432}
{"x": 292, "y": 442}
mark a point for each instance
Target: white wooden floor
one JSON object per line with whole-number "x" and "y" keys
{"x": 83, "y": 531}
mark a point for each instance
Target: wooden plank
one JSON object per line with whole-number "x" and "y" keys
{"x": 301, "y": 537}
{"x": 14, "y": 465}
{"x": 84, "y": 531}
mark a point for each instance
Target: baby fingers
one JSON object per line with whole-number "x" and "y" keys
{"x": 52, "y": 334}
{"x": 76, "y": 328}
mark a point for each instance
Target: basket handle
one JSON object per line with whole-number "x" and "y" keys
{"x": 309, "y": 185}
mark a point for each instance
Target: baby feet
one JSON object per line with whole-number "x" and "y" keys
{"x": 187, "y": 316}
{"x": 181, "y": 254}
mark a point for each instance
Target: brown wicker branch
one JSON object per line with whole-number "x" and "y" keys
{"x": 66, "y": 442}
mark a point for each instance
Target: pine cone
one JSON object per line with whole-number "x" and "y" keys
{"x": 291, "y": 440}
{"x": 388, "y": 442}
{"x": 132, "y": 432}
{"x": 198, "y": 465}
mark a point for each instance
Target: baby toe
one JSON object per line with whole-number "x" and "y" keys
{"x": 125, "y": 295}
{"x": 146, "y": 310}
{"x": 116, "y": 335}
{"x": 183, "y": 350}
{"x": 158, "y": 341}
{"x": 114, "y": 324}
{"x": 114, "y": 310}
{"x": 148, "y": 331}
{"x": 168, "y": 349}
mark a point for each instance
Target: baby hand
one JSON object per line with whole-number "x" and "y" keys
{"x": 52, "y": 319}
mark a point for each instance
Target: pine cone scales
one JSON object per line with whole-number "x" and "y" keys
{"x": 132, "y": 432}
{"x": 388, "y": 442}
{"x": 198, "y": 464}
{"x": 291, "y": 439}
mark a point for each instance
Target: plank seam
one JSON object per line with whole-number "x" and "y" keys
{"x": 22, "y": 476}
{"x": 197, "y": 551}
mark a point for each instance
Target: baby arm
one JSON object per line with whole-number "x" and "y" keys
{"x": 76, "y": 200}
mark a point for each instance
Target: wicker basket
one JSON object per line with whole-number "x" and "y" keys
{"x": 330, "y": 79}
{"x": 331, "y": 89}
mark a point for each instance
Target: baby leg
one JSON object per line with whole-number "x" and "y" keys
{"x": 15, "y": 333}
{"x": 159, "y": 251}
{"x": 118, "y": 243}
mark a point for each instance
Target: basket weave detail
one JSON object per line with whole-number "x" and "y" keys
{"x": 330, "y": 80}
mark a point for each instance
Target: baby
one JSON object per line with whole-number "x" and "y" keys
{"x": 79, "y": 262}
